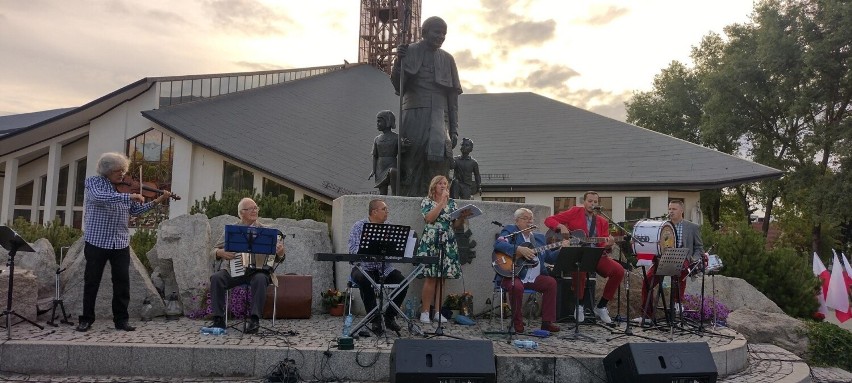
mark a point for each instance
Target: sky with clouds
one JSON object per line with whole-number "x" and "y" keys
{"x": 591, "y": 54}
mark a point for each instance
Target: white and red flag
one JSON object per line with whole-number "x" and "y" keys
{"x": 822, "y": 273}
{"x": 837, "y": 297}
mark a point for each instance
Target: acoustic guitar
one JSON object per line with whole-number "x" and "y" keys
{"x": 506, "y": 267}
{"x": 576, "y": 238}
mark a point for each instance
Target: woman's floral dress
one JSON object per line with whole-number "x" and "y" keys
{"x": 429, "y": 244}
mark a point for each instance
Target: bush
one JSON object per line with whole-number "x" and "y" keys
{"x": 271, "y": 206}
{"x": 59, "y": 235}
{"x": 829, "y": 345}
{"x": 782, "y": 274}
{"x": 142, "y": 241}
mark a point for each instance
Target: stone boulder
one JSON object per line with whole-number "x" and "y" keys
{"x": 42, "y": 263}
{"x": 776, "y": 328}
{"x": 183, "y": 257}
{"x": 735, "y": 293}
{"x": 140, "y": 286}
{"x": 24, "y": 292}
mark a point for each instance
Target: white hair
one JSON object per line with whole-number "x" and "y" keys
{"x": 112, "y": 161}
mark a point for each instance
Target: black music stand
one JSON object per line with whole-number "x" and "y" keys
{"x": 574, "y": 260}
{"x": 382, "y": 241}
{"x": 701, "y": 268}
{"x": 670, "y": 265}
{"x": 10, "y": 240}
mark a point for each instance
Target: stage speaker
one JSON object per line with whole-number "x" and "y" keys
{"x": 661, "y": 363}
{"x": 433, "y": 361}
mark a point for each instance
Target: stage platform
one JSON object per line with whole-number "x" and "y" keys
{"x": 177, "y": 349}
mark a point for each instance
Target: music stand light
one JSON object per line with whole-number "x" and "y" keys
{"x": 10, "y": 240}
{"x": 572, "y": 260}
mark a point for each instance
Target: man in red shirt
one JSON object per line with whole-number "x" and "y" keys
{"x": 584, "y": 218}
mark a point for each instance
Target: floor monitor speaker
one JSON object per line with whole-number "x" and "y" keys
{"x": 661, "y": 363}
{"x": 433, "y": 361}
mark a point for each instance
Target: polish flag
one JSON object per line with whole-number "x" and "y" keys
{"x": 822, "y": 273}
{"x": 837, "y": 297}
{"x": 847, "y": 279}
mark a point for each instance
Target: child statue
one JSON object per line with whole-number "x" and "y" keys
{"x": 466, "y": 179}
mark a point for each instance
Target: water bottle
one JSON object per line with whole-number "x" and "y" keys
{"x": 524, "y": 343}
{"x": 409, "y": 308}
{"x": 347, "y": 325}
{"x": 213, "y": 331}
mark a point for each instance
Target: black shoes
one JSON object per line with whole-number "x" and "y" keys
{"x": 123, "y": 326}
{"x": 219, "y": 322}
{"x": 391, "y": 324}
{"x": 84, "y": 326}
{"x": 253, "y": 325}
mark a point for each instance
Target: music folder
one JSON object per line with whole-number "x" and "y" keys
{"x": 250, "y": 239}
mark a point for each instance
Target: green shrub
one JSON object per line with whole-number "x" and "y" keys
{"x": 829, "y": 346}
{"x": 271, "y": 206}
{"x": 59, "y": 235}
{"x": 142, "y": 241}
{"x": 782, "y": 274}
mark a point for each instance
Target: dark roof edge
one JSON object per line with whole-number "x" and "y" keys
{"x": 628, "y": 186}
{"x": 214, "y": 150}
{"x": 79, "y": 108}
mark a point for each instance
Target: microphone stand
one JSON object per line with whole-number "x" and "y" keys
{"x": 440, "y": 243}
{"x": 511, "y": 238}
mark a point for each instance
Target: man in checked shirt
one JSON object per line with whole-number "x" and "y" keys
{"x": 106, "y": 215}
{"x": 378, "y": 213}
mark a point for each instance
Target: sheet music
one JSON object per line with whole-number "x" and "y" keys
{"x": 410, "y": 244}
{"x": 474, "y": 211}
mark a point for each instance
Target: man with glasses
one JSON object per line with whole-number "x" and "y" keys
{"x": 105, "y": 230}
{"x": 377, "y": 213}
{"x": 256, "y": 278}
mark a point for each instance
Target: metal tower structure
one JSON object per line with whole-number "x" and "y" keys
{"x": 386, "y": 24}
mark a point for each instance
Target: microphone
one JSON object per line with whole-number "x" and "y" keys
{"x": 496, "y": 223}
{"x": 532, "y": 227}
{"x": 597, "y": 208}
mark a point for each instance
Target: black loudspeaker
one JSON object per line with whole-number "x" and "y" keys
{"x": 661, "y": 363}
{"x": 429, "y": 360}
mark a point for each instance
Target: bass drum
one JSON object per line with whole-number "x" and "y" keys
{"x": 650, "y": 239}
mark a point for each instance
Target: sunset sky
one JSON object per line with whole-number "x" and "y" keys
{"x": 591, "y": 54}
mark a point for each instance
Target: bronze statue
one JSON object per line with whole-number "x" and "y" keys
{"x": 466, "y": 179}
{"x": 429, "y": 121}
{"x": 385, "y": 150}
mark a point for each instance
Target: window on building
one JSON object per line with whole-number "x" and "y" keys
{"x": 505, "y": 199}
{"x": 606, "y": 205}
{"x": 276, "y": 189}
{"x": 236, "y": 178}
{"x": 637, "y": 208}
{"x": 24, "y": 195}
{"x": 62, "y": 187}
{"x": 151, "y": 151}
{"x": 43, "y": 191}
{"x": 561, "y": 204}
{"x": 80, "y": 182}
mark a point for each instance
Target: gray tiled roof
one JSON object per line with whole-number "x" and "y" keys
{"x": 14, "y": 122}
{"x": 317, "y": 132}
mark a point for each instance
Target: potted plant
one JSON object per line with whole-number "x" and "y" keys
{"x": 332, "y": 300}
{"x": 453, "y": 303}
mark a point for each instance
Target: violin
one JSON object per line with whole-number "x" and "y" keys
{"x": 146, "y": 189}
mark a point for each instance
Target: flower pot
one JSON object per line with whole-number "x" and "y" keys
{"x": 336, "y": 310}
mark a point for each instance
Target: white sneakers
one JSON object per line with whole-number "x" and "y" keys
{"x": 678, "y": 308}
{"x": 424, "y": 318}
{"x": 440, "y": 318}
{"x": 580, "y": 314}
{"x": 603, "y": 314}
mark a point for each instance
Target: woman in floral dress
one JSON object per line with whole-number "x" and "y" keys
{"x": 438, "y": 235}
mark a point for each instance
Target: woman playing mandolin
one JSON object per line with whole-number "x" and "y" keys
{"x": 527, "y": 248}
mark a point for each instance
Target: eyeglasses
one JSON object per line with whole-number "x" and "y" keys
{"x": 251, "y": 209}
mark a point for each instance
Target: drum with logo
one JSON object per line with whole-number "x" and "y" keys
{"x": 650, "y": 238}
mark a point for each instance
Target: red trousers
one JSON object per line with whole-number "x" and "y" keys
{"x": 652, "y": 281}
{"x": 608, "y": 268}
{"x": 544, "y": 284}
